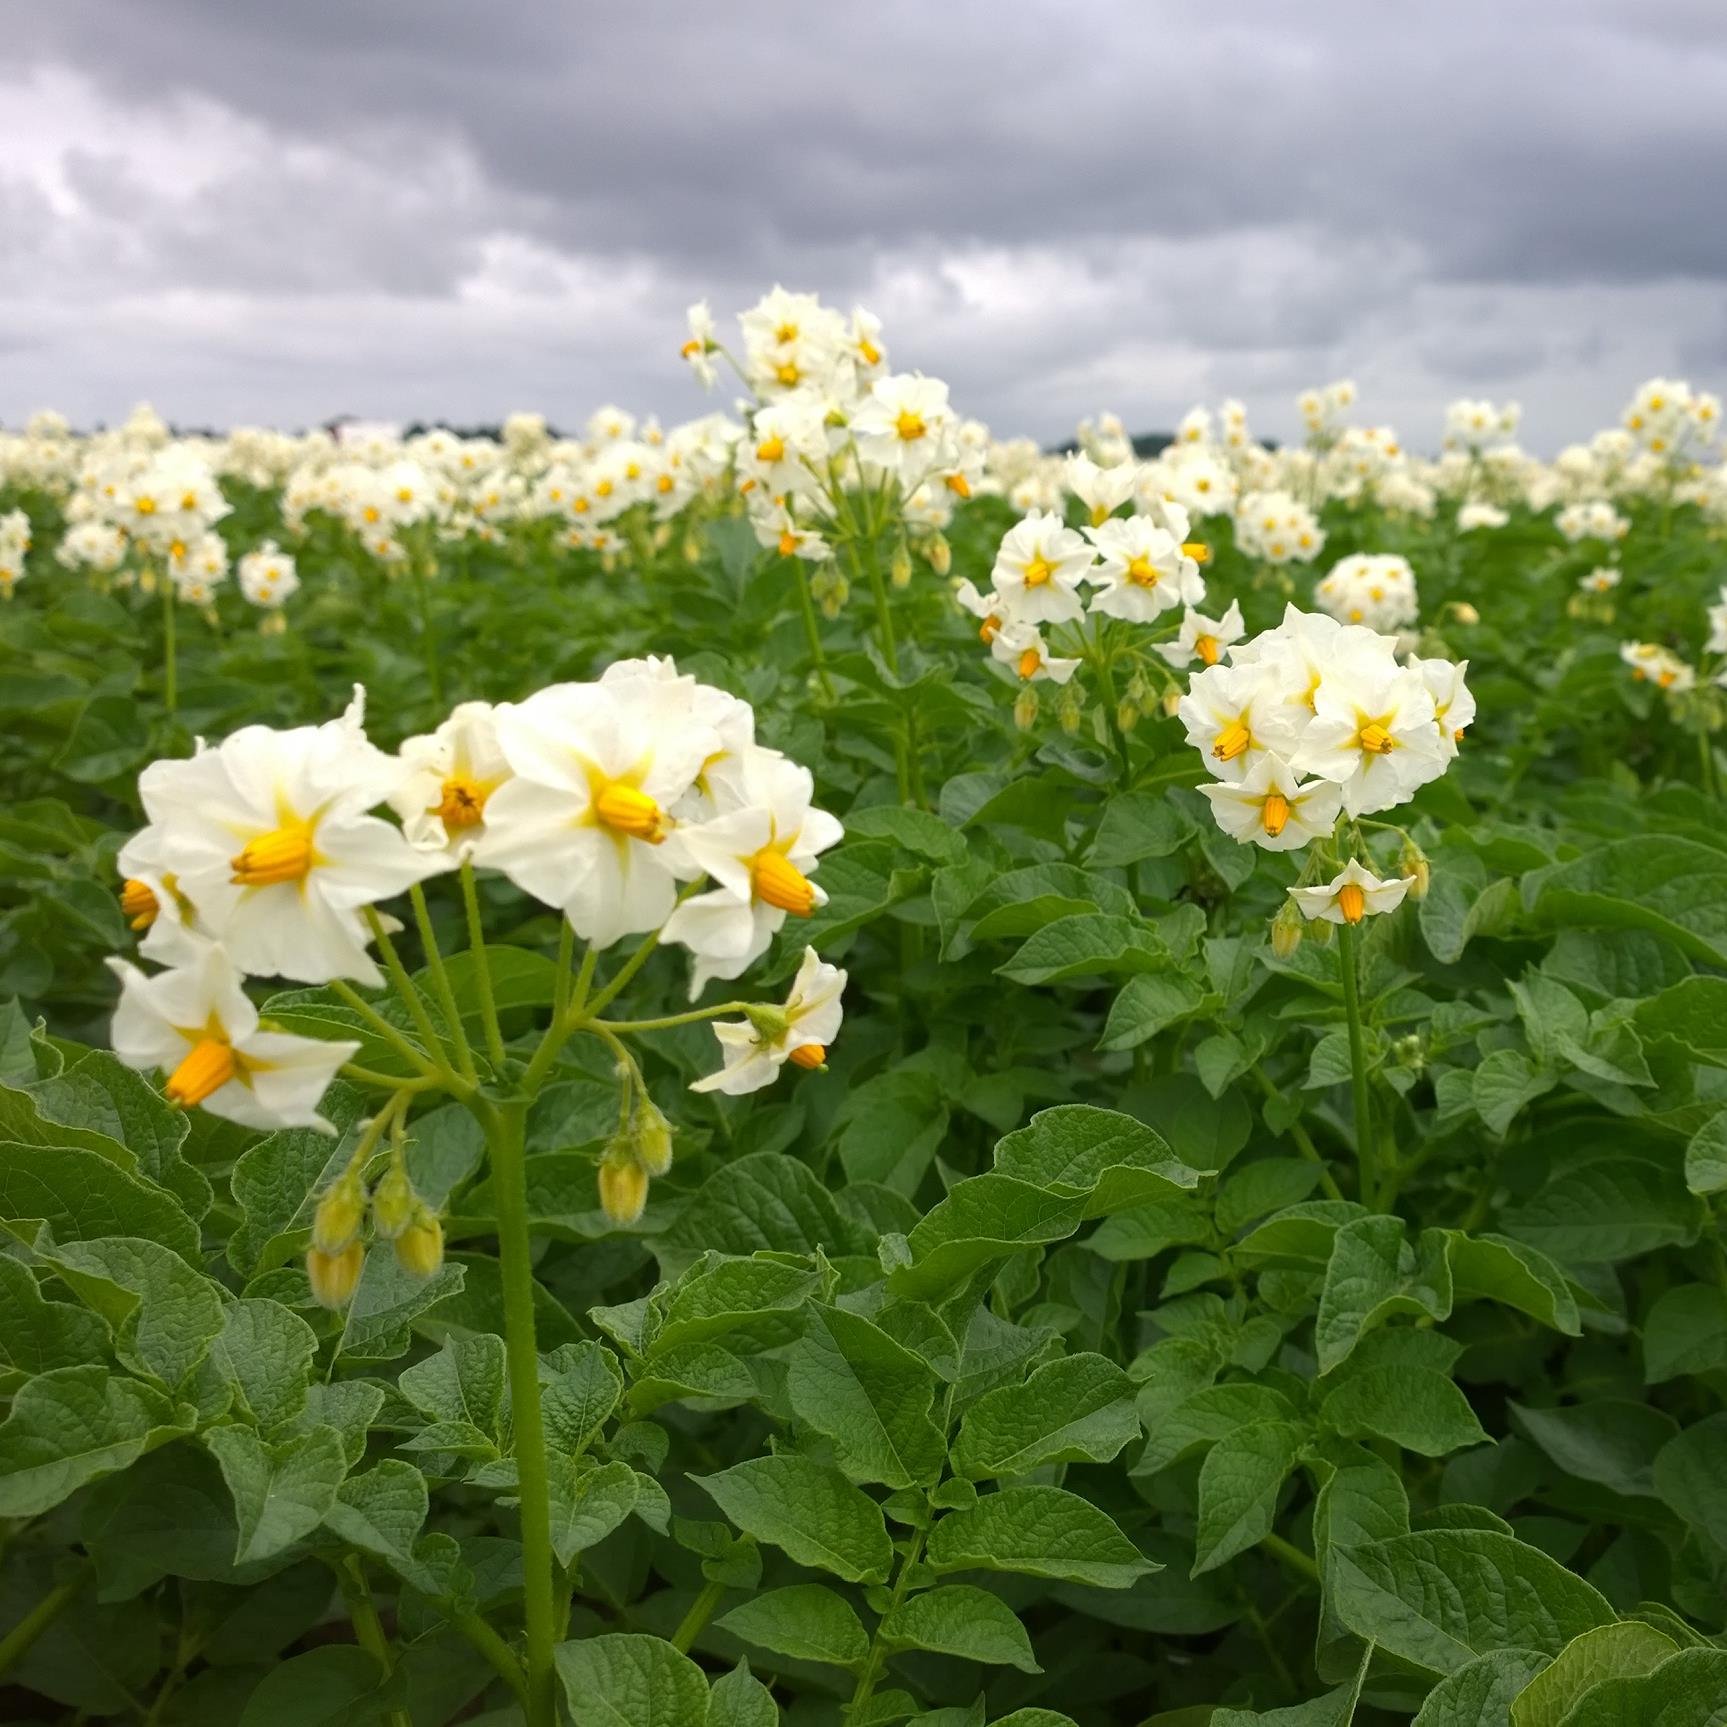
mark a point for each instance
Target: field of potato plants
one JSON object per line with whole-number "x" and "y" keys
{"x": 814, "y": 1068}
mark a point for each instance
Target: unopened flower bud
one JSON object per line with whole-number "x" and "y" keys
{"x": 393, "y": 1202}
{"x": 1025, "y": 709}
{"x": 334, "y": 1276}
{"x": 899, "y": 567}
{"x": 623, "y": 1188}
{"x": 420, "y": 1247}
{"x": 1464, "y": 612}
{"x": 1070, "y": 709}
{"x": 653, "y": 1140}
{"x": 1126, "y": 715}
{"x": 939, "y": 553}
{"x": 1286, "y": 930}
{"x": 340, "y": 1213}
{"x": 1171, "y": 701}
{"x": 1319, "y": 931}
{"x": 1412, "y": 861}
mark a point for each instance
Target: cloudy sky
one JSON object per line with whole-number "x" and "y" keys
{"x": 247, "y": 210}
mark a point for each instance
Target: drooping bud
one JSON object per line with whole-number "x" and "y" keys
{"x": 899, "y": 567}
{"x": 1070, "y": 709}
{"x": 1126, "y": 715}
{"x": 1171, "y": 701}
{"x": 653, "y": 1139}
{"x": 623, "y": 1188}
{"x": 393, "y": 1202}
{"x": 1025, "y": 709}
{"x": 939, "y": 553}
{"x": 1464, "y": 612}
{"x": 1286, "y": 930}
{"x": 336, "y": 1222}
{"x": 1412, "y": 861}
{"x": 1320, "y": 932}
{"x": 335, "y": 1276}
{"x": 420, "y": 1247}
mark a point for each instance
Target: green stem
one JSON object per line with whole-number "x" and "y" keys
{"x": 170, "y": 656}
{"x": 701, "y": 1611}
{"x": 376, "y": 1022}
{"x": 872, "y": 1668}
{"x": 441, "y": 984}
{"x": 1303, "y": 1142}
{"x": 482, "y": 966}
{"x": 1366, "y": 1151}
{"x": 812, "y": 629}
{"x": 1292, "y": 1556}
{"x": 18, "y": 1642}
{"x": 506, "y": 1131}
{"x": 694, "y": 1017}
{"x": 407, "y": 989}
{"x": 1706, "y": 762}
{"x": 610, "y": 991}
{"x": 883, "y": 607}
{"x": 368, "y": 1627}
{"x": 497, "y": 1652}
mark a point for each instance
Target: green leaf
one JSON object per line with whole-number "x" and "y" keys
{"x": 463, "y": 1382}
{"x": 1480, "y": 1693}
{"x": 962, "y": 1621}
{"x": 282, "y": 1492}
{"x": 1693, "y": 1014}
{"x": 1238, "y": 1487}
{"x": 335, "y": 1686}
{"x": 386, "y": 1303}
{"x": 1691, "y": 1477}
{"x": 589, "y": 1501}
{"x": 265, "y": 1351}
{"x": 1076, "y": 1410}
{"x": 916, "y": 831}
{"x": 808, "y": 1509}
{"x": 739, "y": 1699}
{"x": 382, "y": 1512}
{"x": 1706, "y": 1156}
{"x": 1373, "y": 1273}
{"x": 81, "y": 1196}
{"x": 1088, "y": 944}
{"x": 1608, "y": 1652}
{"x": 762, "y": 1203}
{"x": 1608, "y": 1440}
{"x": 848, "y": 1380}
{"x": 806, "y": 1621}
{"x": 74, "y": 1425}
{"x": 1685, "y": 1332}
{"x": 1205, "y": 1417}
{"x": 1440, "y": 1598}
{"x": 1149, "y": 1004}
{"x": 626, "y": 1680}
{"x": 1496, "y": 1268}
{"x": 38, "y": 1335}
{"x": 1107, "y": 1159}
{"x": 1040, "y": 1532}
{"x": 1686, "y": 1690}
{"x": 165, "y": 1314}
{"x": 1138, "y": 825}
{"x": 1415, "y": 1407}
{"x": 274, "y": 1183}
{"x": 1677, "y": 889}
{"x": 581, "y": 1385}
{"x": 1606, "y": 1209}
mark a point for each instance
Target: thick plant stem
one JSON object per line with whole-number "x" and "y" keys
{"x": 1366, "y": 1150}
{"x": 506, "y": 1132}
{"x": 441, "y": 987}
{"x": 368, "y": 1627}
{"x": 21, "y": 1639}
{"x": 701, "y": 1611}
{"x": 812, "y": 629}
{"x": 170, "y": 657}
{"x": 870, "y": 1674}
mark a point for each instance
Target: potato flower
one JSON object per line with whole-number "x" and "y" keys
{"x": 757, "y": 1047}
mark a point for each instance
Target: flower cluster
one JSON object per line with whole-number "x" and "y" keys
{"x": 1277, "y": 528}
{"x": 1375, "y": 589}
{"x": 1670, "y": 420}
{"x": 1322, "y": 410}
{"x": 1595, "y": 519}
{"x": 1476, "y": 425}
{"x": 14, "y": 543}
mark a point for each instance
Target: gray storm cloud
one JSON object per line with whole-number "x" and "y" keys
{"x": 253, "y": 212}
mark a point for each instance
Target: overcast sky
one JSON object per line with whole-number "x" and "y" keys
{"x": 283, "y": 210}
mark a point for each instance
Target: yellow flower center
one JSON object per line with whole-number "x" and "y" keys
{"x": 603, "y": 488}
{"x": 910, "y": 425}
{"x": 1352, "y": 902}
{"x": 868, "y": 352}
{"x": 461, "y": 802}
{"x": 691, "y": 348}
{"x": 959, "y": 485}
{"x": 371, "y": 513}
{"x": 138, "y": 904}
{"x": 284, "y": 854}
{"x": 1142, "y": 572}
{"x": 1376, "y": 740}
{"x": 788, "y": 544}
{"x": 1038, "y": 572}
{"x": 771, "y": 449}
{"x": 1207, "y": 649}
{"x": 144, "y": 506}
{"x": 1198, "y": 550}
{"x": 778, "y": 882}
{"x": 990, "y": 628}
{"x": 628, "y": 810}
{"x": 664, "y": 483}
{"x": 1231, "y": 742}
{"x": 787, "y": 332}
{"x": 788, "y": 373}
{"x": 1275, "y": 814}
{"x": 1029, "y": 661}
{"x": 207, "y": 1068}
{"x": 809, "y": 1055}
